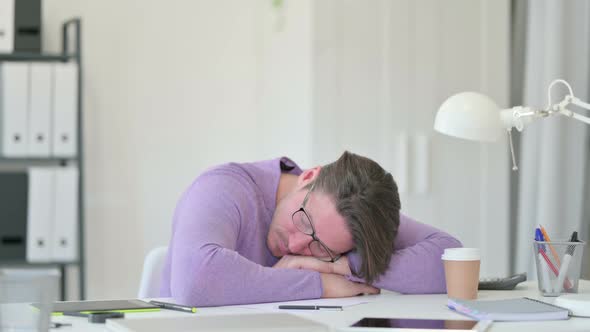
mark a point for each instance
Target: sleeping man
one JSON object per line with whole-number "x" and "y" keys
{"x": 268, "y": 231}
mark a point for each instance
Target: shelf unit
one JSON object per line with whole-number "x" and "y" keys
{"x": 71, "y": 51}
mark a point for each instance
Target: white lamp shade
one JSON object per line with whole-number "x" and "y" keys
{"x": 469, "y": 115}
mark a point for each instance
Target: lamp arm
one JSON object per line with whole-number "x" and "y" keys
{"x": 580, "y": 103}
{"x": 565, "y": 112}
{"x": 570, "y": 99}
{"x": 551, "y": 86}
{"x": 519, "y": 116}
{"x": 560, "y": 108}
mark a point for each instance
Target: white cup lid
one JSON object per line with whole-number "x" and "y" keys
{"x": 461, "y": 254}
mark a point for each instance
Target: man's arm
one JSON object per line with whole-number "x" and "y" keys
{"x": 205, "y": 268}
{"x": 415, "y": 266}
{"x": 333, "y": 275}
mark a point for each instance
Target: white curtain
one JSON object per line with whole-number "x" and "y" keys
{"x": 553, "y": 152}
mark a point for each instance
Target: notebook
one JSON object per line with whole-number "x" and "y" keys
{"x": 520, "y": 309}
{"x": 97, "y": 306}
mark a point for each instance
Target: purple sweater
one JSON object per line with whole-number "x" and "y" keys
{"x": 218, "y": 253}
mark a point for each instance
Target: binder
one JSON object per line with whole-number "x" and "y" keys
{"x": 40, "y": 109}
{"x": 65, "y": 102}
{"x": 13, "y": 215}
{"x": 27, "y": 26}
{"x": 7, "y": 26}
{"x": 65, "y": 231}
{"x": 14, "y": 86}
{"x": 40, "y": 214}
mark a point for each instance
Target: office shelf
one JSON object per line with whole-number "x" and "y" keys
{"x": 39, "y": 159}
{"x": 36, "y": 57}
{"x": 20, "y": 263}
{"x": 70, "y": 52}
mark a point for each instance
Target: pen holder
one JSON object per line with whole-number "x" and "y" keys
{"x": 558, "y": 266}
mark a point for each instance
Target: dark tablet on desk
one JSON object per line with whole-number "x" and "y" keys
{"x": 105, "y": 305}
{"x": 418, "y": 324}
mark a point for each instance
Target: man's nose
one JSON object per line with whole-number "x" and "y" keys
{"x": 298, "y": 244}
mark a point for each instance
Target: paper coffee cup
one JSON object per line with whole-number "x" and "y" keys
{"x": 462, "y": 272}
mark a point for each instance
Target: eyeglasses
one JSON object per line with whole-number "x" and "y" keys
{"x": 303, "y": 223}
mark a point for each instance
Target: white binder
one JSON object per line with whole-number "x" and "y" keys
{"x": 65, "y": 231}
{"x": 14, "y": 90}
{"x": 40, "y": 109}
{"x": 65, "y": 102}
{"x": 7, "y": 26}
{"x": 40, "y": 214}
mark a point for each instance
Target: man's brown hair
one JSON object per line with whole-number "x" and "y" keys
{"x": 367, "y": 197}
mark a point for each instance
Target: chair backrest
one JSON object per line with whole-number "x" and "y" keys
{"x": 153, "y": 265}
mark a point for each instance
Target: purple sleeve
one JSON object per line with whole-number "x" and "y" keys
{"x": 415, "y": 266}
{"x": 205, "y": 268}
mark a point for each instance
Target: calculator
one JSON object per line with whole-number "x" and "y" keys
{"x": 506, "y": 283}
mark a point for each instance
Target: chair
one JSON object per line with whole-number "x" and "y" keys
{"x": 149, "y": 286}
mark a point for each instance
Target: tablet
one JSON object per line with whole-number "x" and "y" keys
{"x": 420, "y": 324}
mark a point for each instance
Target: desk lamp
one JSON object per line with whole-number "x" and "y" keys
{"x": 474, "y": 116}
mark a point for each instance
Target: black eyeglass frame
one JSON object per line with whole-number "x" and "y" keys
{"x": 333, "y": 258}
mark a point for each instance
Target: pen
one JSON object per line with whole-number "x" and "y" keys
{"x": 543, "y": 253}
{"x": 173, "y": 306}
{"x": 551, "y": 266}
{"x": 543, "y": 264}
{"x": 311, "y": 307}
{"x": 546, "y": 237}
{"x": 54, "y": 325}
{"x": 563, "y": 269}
{"x": 566, "y": 261}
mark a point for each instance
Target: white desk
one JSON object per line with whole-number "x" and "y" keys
{"x": 386, "y": 304}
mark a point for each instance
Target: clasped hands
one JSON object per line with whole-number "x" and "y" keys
{"x": 333, "y": 275}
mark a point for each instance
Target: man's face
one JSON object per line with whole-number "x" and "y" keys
{"x": 330, "y": 227}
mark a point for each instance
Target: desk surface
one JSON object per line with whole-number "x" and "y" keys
{"x": 386, "y": 304}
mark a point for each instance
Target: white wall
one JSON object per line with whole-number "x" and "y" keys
{"x": 173, "y": 87}
{"x": 383, "y": 70}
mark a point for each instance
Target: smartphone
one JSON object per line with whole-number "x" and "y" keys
{"x": 418, "y": 324}
{"x": 101, "y": 317}
{"x": 96, "y": 317}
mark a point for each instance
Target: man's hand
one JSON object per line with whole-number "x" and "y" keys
{"x": 332, "y": 274}
{"x": 341, "y": 266}
{"x": 305, "y": 263}
{"x": 338, "y": 286}
{"x": 311, "y": 263}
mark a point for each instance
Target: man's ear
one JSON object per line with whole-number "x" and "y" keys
{"x": 308, "y": 176}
